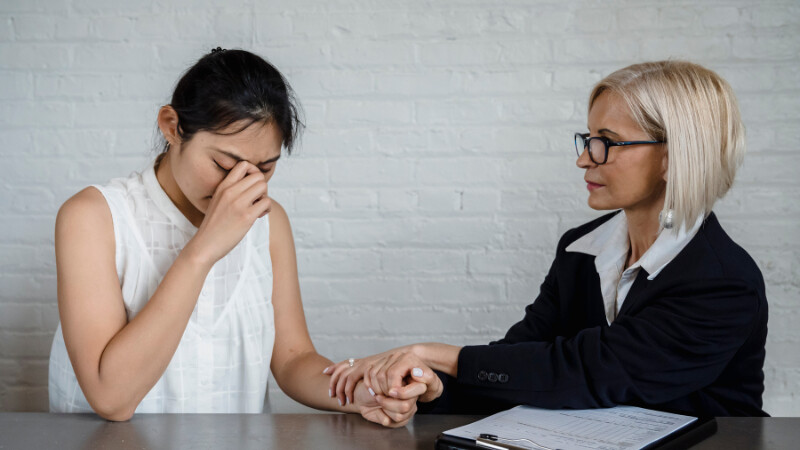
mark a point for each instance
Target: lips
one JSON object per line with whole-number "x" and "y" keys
{"x": 592, "y": 186}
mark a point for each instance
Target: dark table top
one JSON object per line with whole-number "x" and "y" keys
{"x": 302, "y": 431}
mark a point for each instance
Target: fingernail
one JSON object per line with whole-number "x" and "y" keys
{"x": 347, "y": 400}
{"x": 330, "y": 393}
{"x": 340, "y": 402}
{"x": 417, "y": 372}
{"x": 371, "y": 392}
{"x": 326, "y": 370}
{"x": 393, "y": 392}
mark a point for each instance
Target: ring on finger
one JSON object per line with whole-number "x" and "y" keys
{"x": 351, "y": 361}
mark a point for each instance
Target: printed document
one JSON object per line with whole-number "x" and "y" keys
{"x": 621, "y": 427}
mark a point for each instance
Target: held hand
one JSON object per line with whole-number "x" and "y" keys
{"x": 238, "y": 201}
{"x": 395, "y": 375}
{"x": 389, "y": 412}
{"x": 345, "y": 377}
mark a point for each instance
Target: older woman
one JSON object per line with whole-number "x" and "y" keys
{"x": 650, "y": 305}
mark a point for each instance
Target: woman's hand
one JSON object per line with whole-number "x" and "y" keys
{"x": 344, "y": 376}
{"x": 396, "y": 374}
{"x": 238, "y": 201}
{"x": 392, "y": 412}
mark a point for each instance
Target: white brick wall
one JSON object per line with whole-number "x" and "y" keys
{"x": 437, "y": 171}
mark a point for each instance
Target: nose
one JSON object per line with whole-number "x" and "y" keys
{"x": 584, "y": 161}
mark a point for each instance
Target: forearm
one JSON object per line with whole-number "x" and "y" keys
{"x": 136, "y": 357}
{"x": 302, "y": 380}
{"x": 438, "y": 356}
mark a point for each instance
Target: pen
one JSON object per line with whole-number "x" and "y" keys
{"x": 487, "y": 440}
{"x": 485, "y": 443}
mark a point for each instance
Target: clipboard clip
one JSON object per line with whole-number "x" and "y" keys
{"x": 486, "y": 440}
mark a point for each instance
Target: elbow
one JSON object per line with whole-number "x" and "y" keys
{"x": 115, "y": 414}
{"x": 112, "y": 411}
{"x": 117, "y": 417}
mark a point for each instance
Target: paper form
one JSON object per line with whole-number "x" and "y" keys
{"x": 621, "y": 427}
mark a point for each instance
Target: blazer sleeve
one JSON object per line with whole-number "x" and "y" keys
{"x": 677, "y": 344}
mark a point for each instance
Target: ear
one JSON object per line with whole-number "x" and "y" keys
{"x": 665, "y": 163}
{"x": 168, "y": 124}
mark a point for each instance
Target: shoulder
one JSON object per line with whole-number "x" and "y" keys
{"x": 574, "y": 234}
{"x": 86, "y": 209}
{"x": 83, "y": 225}
{"x": 722, "y": 255}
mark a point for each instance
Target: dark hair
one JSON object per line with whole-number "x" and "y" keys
{"x": 229, "y": 86}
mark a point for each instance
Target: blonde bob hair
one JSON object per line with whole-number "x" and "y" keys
{"x": 695, "y": 112}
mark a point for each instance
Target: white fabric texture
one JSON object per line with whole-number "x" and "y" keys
{"x": 222, "y": 362}
{"x": 609, "y": 244}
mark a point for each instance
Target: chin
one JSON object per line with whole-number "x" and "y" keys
{"x": 600, "y": 205}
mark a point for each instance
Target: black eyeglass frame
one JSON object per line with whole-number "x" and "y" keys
{"x": 606, "y": 142}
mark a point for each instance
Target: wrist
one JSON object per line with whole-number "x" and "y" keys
{"x": 420, "y": 351}
{"x": 196, "y": 257}
{"x": 437, "y": 356}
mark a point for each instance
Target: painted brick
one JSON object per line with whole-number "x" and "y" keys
{"x": 34, "y": 27}
{"x": 360, "y": 53}
{"x": 458, "y": 53}
{"x": 372, "y": 172}
{"x": 464, "y": 172}
{"x": 368, "y": 112}
{"x": 15, "y": 86}
{"x": 34, "y": 56}
{"x": 721, "y": 17}
{"x": 87, "y": 86}
{"x": 72, "y": 28}
{"x": 114, "y": 28}
{"x": 116, "y": 58}
{"x": 765, "y": 47}
{"x": 369, "y": 233}
{"x": 693, "y": 47}
{"x": 423, "y": 262}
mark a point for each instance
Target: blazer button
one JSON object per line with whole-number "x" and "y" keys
{"x": 493, "y": 377}
{"x": 503, "y": 378}
{"x": 482, "y": 375}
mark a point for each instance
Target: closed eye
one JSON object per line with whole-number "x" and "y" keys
{"x": 221, "y": 168}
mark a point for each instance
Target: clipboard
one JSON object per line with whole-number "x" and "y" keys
{"x": 683, "y": 438}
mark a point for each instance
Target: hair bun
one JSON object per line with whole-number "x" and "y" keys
{"x": 217, "y": 50}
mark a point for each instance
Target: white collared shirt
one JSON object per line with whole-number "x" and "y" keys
{"x": 609, "y": 244}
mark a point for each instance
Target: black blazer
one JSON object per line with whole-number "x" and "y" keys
{"x": 690, "y": 341}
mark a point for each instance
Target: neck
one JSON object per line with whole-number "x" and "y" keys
{"x": 173, "y": 191}
{"x": 643, "y": 229}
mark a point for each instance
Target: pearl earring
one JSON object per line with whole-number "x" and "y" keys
{"x": 666, "y": 221}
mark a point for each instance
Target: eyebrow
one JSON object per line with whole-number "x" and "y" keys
{"x": 608, "y": 131}
{"x": 239, "y": 158}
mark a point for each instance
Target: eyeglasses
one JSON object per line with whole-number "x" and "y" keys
{"x": 598, "y": 146}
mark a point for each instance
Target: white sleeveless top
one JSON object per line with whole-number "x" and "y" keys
{"x": 222, "y": 361}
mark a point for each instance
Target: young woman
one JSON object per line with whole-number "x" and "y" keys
{"x": 177, "y": 286}
{"x": 652, "y": 305}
